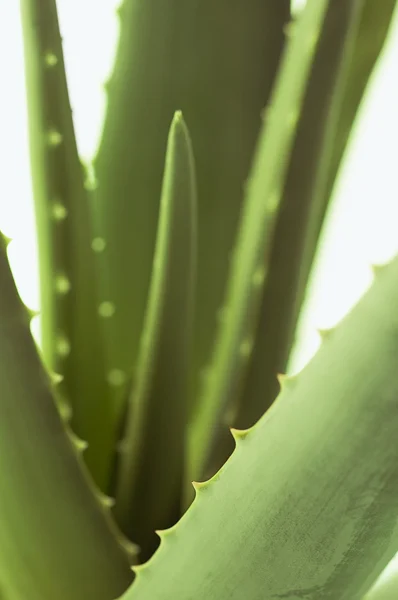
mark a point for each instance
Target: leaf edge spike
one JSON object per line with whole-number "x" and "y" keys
{"x": 239, "y": 434}
{"x": 325, "y": 332}
{"x": 32, "y": 313}
{"x": 198, "y": 486}
{"x": 6, "y": 240}
{"x": 78, "y": 444}
{"x": 378, "y": 268}
{"x": 286, "y": 381}
{"x": 56, "y": 378}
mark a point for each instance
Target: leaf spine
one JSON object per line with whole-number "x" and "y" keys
{"x": 106, "y": 501}
{"x": 79, "y": 444}
{"x": 378, "y": 268}
{"x": 285, "y": 381}
{"x": 7, "y": 240}
{"x": 239, "y": 434}
{"x": 325, "y": 333}
{"x": 198, "y": 486}
{"x": 56, "y": 378}
{"x": 32, "y": 313}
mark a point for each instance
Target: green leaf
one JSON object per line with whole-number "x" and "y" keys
{"x": 151, "y": 466}
{"x": 56, "y": 540}
{"x": 319, "y": 520}
{"x": 250, "y": 261}
{"x": 128, "y": 166}
{"x": 348, "y": 49}
{"x": 302, "y": 211}
{"x": 71, "y": 329}
{"x": 229, "y": 61}
{"x": 217, "y": 62}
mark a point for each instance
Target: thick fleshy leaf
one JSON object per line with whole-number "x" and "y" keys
{"x": 70, "y": 312}
{"x": 56, "y": 540}
{"x": 319, "y": 520}
{"x": 335, "y": 89}
{"x": 249, "y": 269}
{"x": 347, "y": 52}
{"x": 217, "y": 62}
{"x": 151, "y": 465}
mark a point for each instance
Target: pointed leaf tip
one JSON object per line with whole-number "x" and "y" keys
{"x": 178, "y": 117}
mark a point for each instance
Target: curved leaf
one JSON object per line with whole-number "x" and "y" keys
{"x": 319, "y": 520}
{"x": 56, "y": 541}
{"x": 148, "y": 490}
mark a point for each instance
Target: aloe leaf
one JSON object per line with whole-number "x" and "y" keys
{"x": 151, "y": 465}
{"x": 351, "y": 40}
{"x": 250, "y": 260}
{"x": 71, "y": 336}
{"x": 216, "y": 61}
{"x": 128, "y": 169}
{"x": 230, "y": 59}
{"x": 319, "y": 520}
{"x": 328, "y": 112}
{"x": 302, "y": 208}
{"x": 56, "y": 540}
{"x": 335, "y": 88}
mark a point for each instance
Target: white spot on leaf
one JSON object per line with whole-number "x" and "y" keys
{"x": 62, "y": 284}
{"x": 54, "y": 137}
{"x": 245, "y": 348}
{"x": 59, "y": 211}
{"x": 106, "y": 309}
{"x": 63, "y": 346}
{"x": 50, "y": 59}
{"x": 98, "y": 244}
{"x": 116, "y": 377}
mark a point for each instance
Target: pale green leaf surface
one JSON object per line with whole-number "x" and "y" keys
{"x": 302, "y": 211}
{"x": 217, "y": 62}
{"x": 151, "y": 465}
{"x": 250, "y": 261}
{"x": 306, "y": 506}
{"x": 70, "y": 319}
{"x": 56, "y": 540}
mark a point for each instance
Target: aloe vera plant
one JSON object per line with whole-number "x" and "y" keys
{"x": 172, "y": 274}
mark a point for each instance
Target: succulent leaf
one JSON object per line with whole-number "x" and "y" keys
{"x": 71, "y": 329}
{"x": 55, "y": 539}
{"x": 217, "y": 61}
{"x": 303, "y": 209}
{"x": 151, "y": 462}
{"x": 249, "y": 268}
{"x": 298, "y": 225}
{"x": 320, "y": 519}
